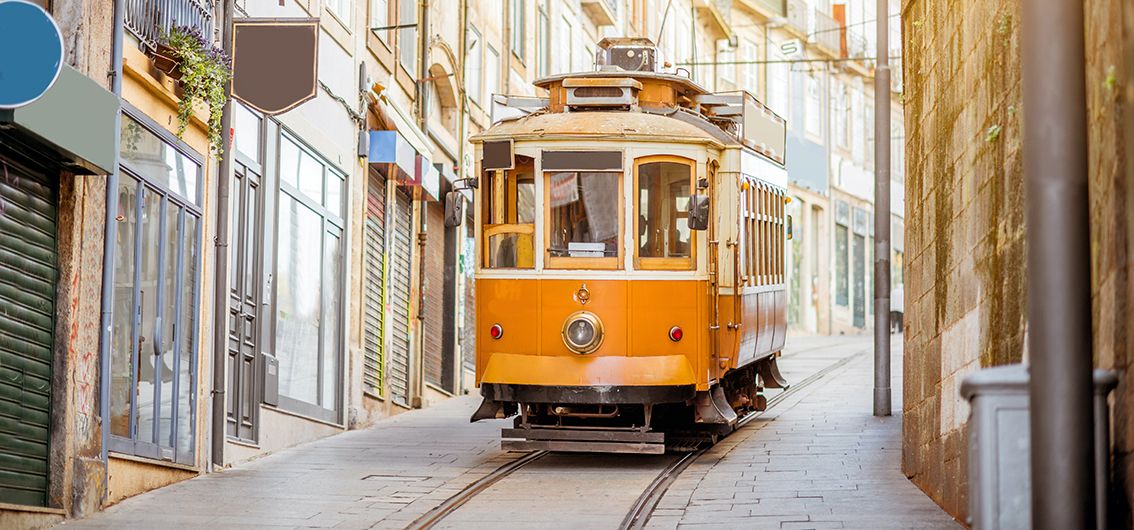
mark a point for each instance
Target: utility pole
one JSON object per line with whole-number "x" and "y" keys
{"x": 882, "y": 213}
{"x": 1059, "y": 289}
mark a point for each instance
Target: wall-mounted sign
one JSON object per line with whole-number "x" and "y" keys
{"x": 791, "y": 48}
{"x": 31, "y": 53}
{"x": 275, "y": 62}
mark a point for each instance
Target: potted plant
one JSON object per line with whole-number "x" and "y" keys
{"x": 165, "y": 59}
{"x": 204, "y": 71}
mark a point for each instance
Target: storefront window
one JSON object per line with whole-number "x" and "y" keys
{"x": 663, "y": 186}
{"x": 509, "y": 216}
{"x": 153, "y": 358}
{"x": 309, "y": 298}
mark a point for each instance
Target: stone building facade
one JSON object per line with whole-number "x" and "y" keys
{"x": 965, "y": 238}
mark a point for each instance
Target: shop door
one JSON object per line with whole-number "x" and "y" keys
{"x": 27, "y": 322}
{"x": 400, "y": 298}
{"x": 859, "y": 281}
{"x": 244, "y": 301}
{"x": 468, "y": 268}
{"x": 374, "y": 328}
{"x": 449, "y": 309}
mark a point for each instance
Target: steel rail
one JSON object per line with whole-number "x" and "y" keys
{"x": 643, "y": 508}
{"x": 443, "y": 510}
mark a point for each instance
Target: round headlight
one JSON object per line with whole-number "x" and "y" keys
{"x": 582, "y": 332}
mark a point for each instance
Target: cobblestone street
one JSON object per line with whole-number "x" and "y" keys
{"x": 817, "y": 459}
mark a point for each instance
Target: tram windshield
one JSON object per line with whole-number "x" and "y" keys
{"x": 509, "y": 217}
{"x": 584, "y": 217}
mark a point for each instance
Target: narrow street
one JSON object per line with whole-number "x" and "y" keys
{"x": 816, "y": 459}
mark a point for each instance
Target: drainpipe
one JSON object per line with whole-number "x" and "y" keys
{"x": 462, "y": 96}
{"x": 110, "y": 225}
{"x": 1058, "y": 239}
{"x": 422, "y": 206}
{"x": 220, "y": 283}
{"x": 882, "y": 391}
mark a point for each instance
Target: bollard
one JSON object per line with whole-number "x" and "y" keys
{"x": 999, "y": 448}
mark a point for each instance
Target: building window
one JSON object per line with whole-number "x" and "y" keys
{"x": 516, "y": 11}
{"x": 662, "y": 232}
{"x": 842, "y": 244}
{"x": 309, "y": 288}
{"x": 814, "y": 105}
{"x": 508, "y": 200}
{"x": 841, "y": 112}
{"x": 566, "y": 34}
{"x": 380, "y": 18}
{"x": 474, "y": 65}
{"x": 341, "y": 10}
{"x": 492, "y": 73}
{"x": 750, "y": 79}
{"x": 543, "y": 44}
{"x": 726, "y": 66}
{"x": 153, "y": 358}
{"x": 247, "y": 131}
{"x": 779, "y": 85}
{"x": 407, "y": 36}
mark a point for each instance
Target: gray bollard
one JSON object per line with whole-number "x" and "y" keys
{"x": 1000, "y": 493}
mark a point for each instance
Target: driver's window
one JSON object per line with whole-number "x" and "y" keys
{"x": 663, "y": 185}
{"x": 509, "y": 216}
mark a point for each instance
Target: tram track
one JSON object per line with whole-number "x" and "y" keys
{"x": 643, "y": 507}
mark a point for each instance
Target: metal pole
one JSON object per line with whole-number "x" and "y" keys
{"x": 882, "y": 214}
{"x": 1058, "y": 242}
{"x": 110, "y": 230}
{"x": 220, "y": 260}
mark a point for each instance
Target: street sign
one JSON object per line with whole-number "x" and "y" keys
{"x": 275, "y": 62}
{"x": 791, "y": 47}
{"x": 31, "y": 53}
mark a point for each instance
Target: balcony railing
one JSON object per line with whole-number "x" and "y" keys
{"x": 775, "y": 7}
{"x": 601, "y": 12}
{"x": 856, "y": 45}
{"x": 149, "y": 20}
{"x": 828, "y": 32}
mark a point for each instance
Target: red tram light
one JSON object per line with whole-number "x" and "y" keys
{"x": 675, "y": 334}
{"x": 496, "y": 331}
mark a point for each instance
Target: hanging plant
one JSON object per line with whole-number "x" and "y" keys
{"x": 205, "y": 72}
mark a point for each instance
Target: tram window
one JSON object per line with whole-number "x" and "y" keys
{"x": 508, "y": 199}
{"x": 664, "y": 239}
{"x": 584, "y": 219}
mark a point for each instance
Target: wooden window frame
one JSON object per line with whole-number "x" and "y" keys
{"x": 566, "y": 262}
{"x": 506, "y": 195}
{"x": 655, "y": 263}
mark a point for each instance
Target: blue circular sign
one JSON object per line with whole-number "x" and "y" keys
{"x": 31, "y": 53}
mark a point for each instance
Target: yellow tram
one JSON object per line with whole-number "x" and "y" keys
{"x": 630, "y": 271}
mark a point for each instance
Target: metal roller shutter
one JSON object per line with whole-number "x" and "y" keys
{"x": 400, "y": 268}
{"x": 27, "y": 321}
{"x": 468, "y": 330}
{"x": 374, "y": 292}
{"x": 434, "y": 291}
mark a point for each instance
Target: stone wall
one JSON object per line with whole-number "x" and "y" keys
{"x": 966, "y": 278}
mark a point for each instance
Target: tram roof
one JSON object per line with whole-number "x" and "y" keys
{"x": 602, "y": 125}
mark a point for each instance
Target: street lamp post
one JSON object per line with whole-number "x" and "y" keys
{"x": 882, "y": 214}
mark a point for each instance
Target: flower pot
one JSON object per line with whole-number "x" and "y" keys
{"x": 165, "y": 59}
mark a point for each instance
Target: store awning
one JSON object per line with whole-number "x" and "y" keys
{"x": 73, "y": 118}
{"x": 390, "y": 147}
{"x": 430, "y": 179}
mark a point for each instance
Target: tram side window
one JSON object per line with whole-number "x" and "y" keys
{"x": 584, "y": 219}
{"x": 509, "y": 216}
{"x": 663, "y": 189}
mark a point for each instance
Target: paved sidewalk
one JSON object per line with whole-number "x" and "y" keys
{"x": 817, "y": 460}
{"x": 381, "y": 477}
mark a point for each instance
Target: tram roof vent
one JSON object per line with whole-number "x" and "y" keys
{"x": 631, "y": 54}
{"x": 602, "y": 92}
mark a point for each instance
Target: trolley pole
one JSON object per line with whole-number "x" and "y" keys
{"x": 882, "y": 213}
{"x": 1059, "y": 290}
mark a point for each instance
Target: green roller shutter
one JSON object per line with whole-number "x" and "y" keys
{"x": 27, "y": 322}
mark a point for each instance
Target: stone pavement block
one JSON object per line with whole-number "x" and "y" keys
{"x": 811, "y": 525}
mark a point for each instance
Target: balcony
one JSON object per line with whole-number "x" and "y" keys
{"x": 797, "y": 15}
{"x": 150, "y": 19}
{"x": 828, "y": 33}
{"x": 718, "y": 13}
{"x": 775, "y": 8}
{"x": 856, "y": 45}
{"x": 601, "y": 12}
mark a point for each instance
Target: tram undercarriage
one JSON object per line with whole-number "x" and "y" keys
{"x": 623, "y": 419}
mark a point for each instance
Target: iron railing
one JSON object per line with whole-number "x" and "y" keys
{"x": 149, "y": 20}
{"x": 828, "y": 32}
{"x": 856, "y": 45}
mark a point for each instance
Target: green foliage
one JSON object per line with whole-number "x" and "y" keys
{"x": 992, "y": 134}
{"x": 206, "y": 71}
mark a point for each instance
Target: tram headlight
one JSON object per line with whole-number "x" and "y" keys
{"x": 582, "y": 332}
